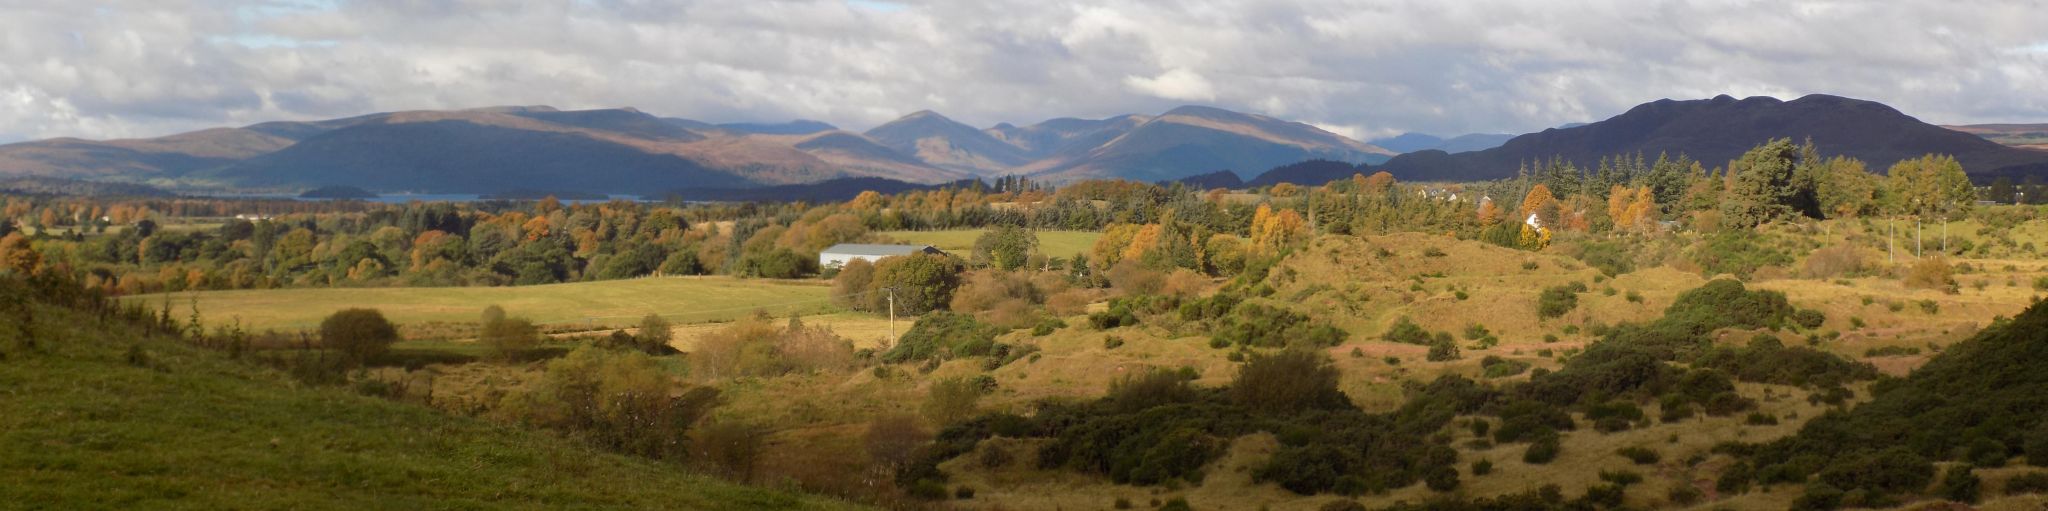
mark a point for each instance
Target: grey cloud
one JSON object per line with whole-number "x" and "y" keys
{"x": 136, "y": 68}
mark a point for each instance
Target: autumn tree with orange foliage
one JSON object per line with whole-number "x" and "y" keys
{"x": 1489, "y": 213}
{"x": 1273, "y": 231}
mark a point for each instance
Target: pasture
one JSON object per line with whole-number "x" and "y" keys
{"x": 1062, "y": 244}
{"x": 682, "y": 300}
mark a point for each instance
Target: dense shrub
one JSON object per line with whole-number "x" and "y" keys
{"x": 359, "y": 335}
{"x": 1736, "y": 252}
{"x": 1558, "y": 300}
{"x": 951, "y": 400}
{"x": 1960, "y": 484}
{"x": 1610, "y": 257}
{"x": 1808, "y": 318}
{"x": 1895, "y": 470}
{"x": 1771, "y": 362}
{"x": 2030, "y": 482}
{"x": 1542, "y": 451}
{"x": 1496, "y": 367}
{"x": 944, "y": 334}
{"x": 1251, "y": 324}
{"x": 1405, "y": 331}
{"x": 1931, "y": 273}
{"x": 1988, "y": 387}
{"x": 1442, "y": 350}
{"x": 621, "y": 400}
{"x": 1639, "y": 455}
{"x": 1288, "y": 381}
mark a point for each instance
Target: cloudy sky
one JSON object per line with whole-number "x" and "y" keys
{"x": 108, "y": 69}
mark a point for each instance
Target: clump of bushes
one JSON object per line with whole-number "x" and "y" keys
{"x": 1558, "y": 300}
{"x": 1443, "y": 349}
{"x": 944, "y": 334}
{"x": 1251, "y": 324}
{"x": 1736, "y": 252}
{"x": 1156, "y": 429}
{"x": 1931, "y": 273}
{"x": 1639, "y": 455}
{"x": 1405, "y": 331}
{"x": 1497, "y": 367}
{"x": 1610, "y": 257}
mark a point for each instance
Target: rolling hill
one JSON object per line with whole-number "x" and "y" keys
{"x": 1193, "y": 140}
{"x": 623, "y": 150}
{"x": 1719, "y": 129}
{"x": 103, "y": 415}
{"x": 2025, "y": 136}
{"x": 940, "y": 141}
{"x": 1412, "y": 142}
{"x": 484, "y": 150}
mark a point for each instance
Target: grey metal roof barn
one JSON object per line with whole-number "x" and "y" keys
{"x": 838, "y": 255}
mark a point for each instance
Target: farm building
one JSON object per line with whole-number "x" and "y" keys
{"x": 838, "y": 255}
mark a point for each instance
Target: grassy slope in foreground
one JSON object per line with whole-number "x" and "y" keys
{"x": 81, "y": 428}
{"x": 614, "y": 302}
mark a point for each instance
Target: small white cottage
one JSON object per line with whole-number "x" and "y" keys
{"x": 838, "y": 255}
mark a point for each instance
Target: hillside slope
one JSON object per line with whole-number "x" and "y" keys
{"x": 86, "y": 423}
{"x": 1717, "y": 130}
{"x": 1193, "y": 140}
{"x": 940, "y": 141}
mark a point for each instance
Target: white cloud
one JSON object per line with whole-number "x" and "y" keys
{"x": 117, "y": 68}
{"x": 1177, "y": 83}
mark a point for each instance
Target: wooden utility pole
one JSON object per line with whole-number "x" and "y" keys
{"x": 892, "y": 314}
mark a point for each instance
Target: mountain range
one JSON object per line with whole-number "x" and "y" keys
{"x": 1412, "y": 142}
{"x": 624, "y": 150}
{"x": 1714, "y": 131}
{"x": 2029, "y": 136}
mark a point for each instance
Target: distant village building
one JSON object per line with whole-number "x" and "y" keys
{"x": 838, "y": 255}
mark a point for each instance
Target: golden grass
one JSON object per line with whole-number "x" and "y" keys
{"x": 597, "y": 304}
{"x": 1061, "y": 244}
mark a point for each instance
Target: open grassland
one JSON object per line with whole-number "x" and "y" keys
{"x": 600, "y": 304}
{"x": 102, "y": 418}
{"x": 1360, "y": 283}
{"x": 1443, "y": 284}
{"x": 1061, "y": 244}
{"x": 864, "y": 330}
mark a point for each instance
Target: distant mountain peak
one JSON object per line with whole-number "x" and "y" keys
{"x": 795, "y": 127}
{"x": 512, "y": 109}
{"x": 1207, "y": 112}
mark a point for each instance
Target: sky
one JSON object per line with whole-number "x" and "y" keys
{"x": 120, "y": 68}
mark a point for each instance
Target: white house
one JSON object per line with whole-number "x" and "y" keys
{"x": 838, "y": 255}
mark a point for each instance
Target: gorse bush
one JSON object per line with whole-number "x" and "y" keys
{"x": 1736, "y": 253}
{"x": 1611, "y": 257}
{"x": 1256, "y": 325}
{"x": 1405, "y": 331}
{"x": 1154, "y": 428}
{"x": 1979, "y": 398}
{"x": 944, "y": 334}
{"x": 1288, "y": 381}
{"x": 1558, "y": 300}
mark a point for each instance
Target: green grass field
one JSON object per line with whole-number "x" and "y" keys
{"x": 1060, "y": 244}
{"x": 615, "y": 303}
{"x": 87, "y": 422}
